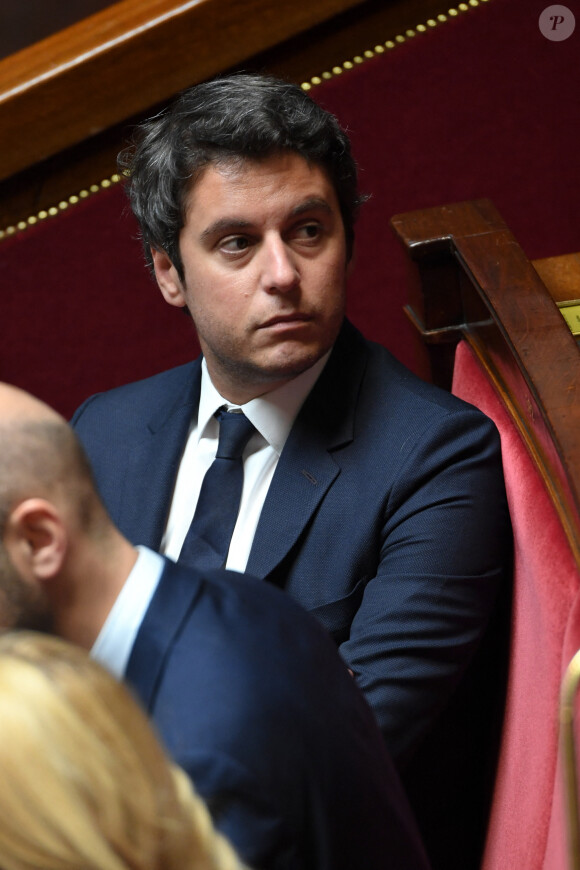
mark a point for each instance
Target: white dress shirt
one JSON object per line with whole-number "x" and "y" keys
{"x": 113, "y": 646}
{"x": 273, "y": 415}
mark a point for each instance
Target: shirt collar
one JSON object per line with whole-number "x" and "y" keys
{"x": 272, "y": 414}
{"x": 116, "y": 638}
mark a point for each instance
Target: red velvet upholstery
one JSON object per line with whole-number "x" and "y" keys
{"x": 480, "y": 106}
{"x": 526, "y": 826}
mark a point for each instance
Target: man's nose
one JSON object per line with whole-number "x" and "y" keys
{"x": 279, "y": 268}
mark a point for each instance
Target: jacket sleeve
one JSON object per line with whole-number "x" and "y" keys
{"x": 445, "y": 545}
{"x": 241, "y": 810}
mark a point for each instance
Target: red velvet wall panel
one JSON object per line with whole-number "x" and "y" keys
{"x": 79, "y": 311}
{"x": 482, "y": 105}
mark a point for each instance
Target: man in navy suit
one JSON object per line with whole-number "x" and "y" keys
{"x": 374, "y": 499}
{"x": 246, "y": 689}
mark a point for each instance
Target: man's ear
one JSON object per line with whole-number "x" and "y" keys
{"x": 36, "y": 539}
{"x": 168, "y": 279}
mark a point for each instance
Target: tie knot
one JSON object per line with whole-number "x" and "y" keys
{"x": 235, "y": 432}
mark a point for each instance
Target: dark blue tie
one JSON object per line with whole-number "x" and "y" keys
{"x": 208, "y": 539}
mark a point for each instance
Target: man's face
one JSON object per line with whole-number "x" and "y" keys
{"x": 264, "y": 259}
{"x": 22, "y": 605}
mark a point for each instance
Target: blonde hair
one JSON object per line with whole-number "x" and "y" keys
{"x": 84, "y": 782}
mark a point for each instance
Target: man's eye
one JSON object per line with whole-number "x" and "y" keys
{"x": 308, "y": 231}
{"x": 235, "y": 244}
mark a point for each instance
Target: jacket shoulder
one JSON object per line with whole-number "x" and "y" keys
{"x": 389, "y": 390}
{"x": 142, "y": 393}
{"x": 390, "y": 380}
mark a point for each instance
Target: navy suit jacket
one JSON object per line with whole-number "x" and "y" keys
{"x": 387, "y": 520}
{"x": 386, "y": 517}
{"x": 253, "y": 701}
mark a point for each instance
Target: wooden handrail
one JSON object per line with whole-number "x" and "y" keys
{"x": 67, "y": 103}
{"x": 130, "y": 57}
{"x": 475, "y": 282}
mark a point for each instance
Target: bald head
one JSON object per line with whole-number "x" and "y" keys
{"x": 17, "y": 405}
{"x": 62, "y": 561}
{"x": 40, "y": 457}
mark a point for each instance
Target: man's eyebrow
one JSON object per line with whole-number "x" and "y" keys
{"x": 228, "y": 225}
{"x": 315, "y": 203}
{"x": 224, "y": 225}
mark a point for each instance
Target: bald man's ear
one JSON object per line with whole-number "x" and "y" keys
{"x": 168, "y": 279}
{"x": 36, "y": 539}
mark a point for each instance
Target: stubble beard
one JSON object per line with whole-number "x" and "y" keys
{"x": 255, "y": 378}
{"x": 21, "y": 605}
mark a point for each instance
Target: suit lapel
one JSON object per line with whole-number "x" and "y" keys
{"x": 307, "y": 468}
{"x": 154, "y": 461}
{"x": 309, "y": 464}
{"x": 170, "y": 606}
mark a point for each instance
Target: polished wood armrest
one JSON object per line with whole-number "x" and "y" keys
{"x": 473, "y": 281}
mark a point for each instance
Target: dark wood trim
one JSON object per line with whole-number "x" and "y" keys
{"x": 129, "y": 57}
{"x": 474, "y": 281}
{"x": 67, "y": 102}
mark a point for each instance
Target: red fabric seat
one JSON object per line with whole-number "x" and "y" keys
{"x": 526, "y": 828}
